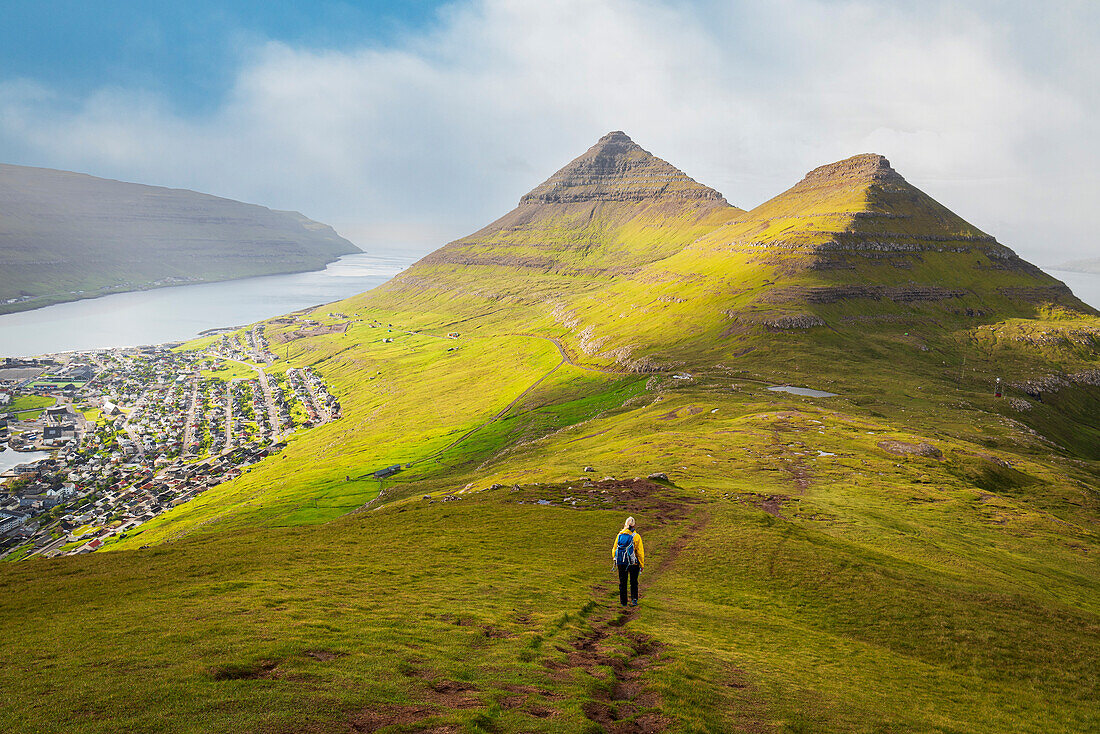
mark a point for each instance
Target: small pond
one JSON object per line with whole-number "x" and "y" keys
{"x": 804, "y": 391}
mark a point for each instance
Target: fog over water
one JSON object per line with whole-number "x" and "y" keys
{"x": 179, "y": 313}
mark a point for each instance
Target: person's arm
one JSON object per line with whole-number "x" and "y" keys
{"x": 640, "y": 550}
{"x": 614, "y": 547}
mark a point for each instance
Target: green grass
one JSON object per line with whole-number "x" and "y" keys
{"x": 840, "y": 625}
{"x": 806, "y": 570}
{"x": 895, "y": 593}
{"x": 23, "y": 404}
{"x": 230, "y": 371}
{"x": 278, "y": 617}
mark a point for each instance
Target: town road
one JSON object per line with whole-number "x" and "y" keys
{"x": 187, "y": 431}
{"x": 276, "y": 424}
{"x": 229, "y": 416}
{"x": 319, "y": 407}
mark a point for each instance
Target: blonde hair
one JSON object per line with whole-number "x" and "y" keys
{"x": 630, "y": 524}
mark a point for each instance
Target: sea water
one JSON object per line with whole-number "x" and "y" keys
{"x": 181, "y": 312}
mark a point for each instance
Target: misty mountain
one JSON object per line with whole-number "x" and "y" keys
{"x": 65, "y": 236}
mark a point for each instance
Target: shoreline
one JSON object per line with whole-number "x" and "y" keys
{"x": 178, "y": 314}
{"x": 45, "y": 301}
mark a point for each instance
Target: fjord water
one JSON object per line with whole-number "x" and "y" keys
{"x": 10, "y": 458}
{"x": 1085, "y": 286}
{"x": 175, "y": 314}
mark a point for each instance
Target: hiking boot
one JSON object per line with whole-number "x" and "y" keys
{"x": 633, "y": 602}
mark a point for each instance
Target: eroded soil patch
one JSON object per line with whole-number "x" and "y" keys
{"x": 380, "y": 717}
{"x": 453, "y": 694}
{"x": 771, "y": 503}
{"x": 621, "y": 705}
{"x": 659, "y": 504}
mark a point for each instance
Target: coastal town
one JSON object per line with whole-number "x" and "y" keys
{"x": 94, "y": 444}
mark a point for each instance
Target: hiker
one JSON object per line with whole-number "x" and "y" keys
{"x": 628, "y": 555}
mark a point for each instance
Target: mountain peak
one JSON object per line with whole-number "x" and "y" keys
{"x": 615, "y": 136}
{"x": 618, "y": 169}
{"x": 873, "y": 198}
{"x": 862, "y": 168}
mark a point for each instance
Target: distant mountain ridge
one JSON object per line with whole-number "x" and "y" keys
{"x": 65, "y": 236}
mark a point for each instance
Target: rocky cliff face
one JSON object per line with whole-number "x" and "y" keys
{"x": 863, "y": 169}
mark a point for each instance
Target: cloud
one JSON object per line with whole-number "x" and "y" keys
{"x": 434, "y": 135}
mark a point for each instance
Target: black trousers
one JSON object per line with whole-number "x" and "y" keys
{"x": 624, "y": 572}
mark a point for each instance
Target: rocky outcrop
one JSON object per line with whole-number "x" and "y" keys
{"x": 866, "y": 167}
{"x": 833, "y": 294}
{"x": 1088, "y": 377}
{"x": 1036, "y": 294}
{"x": 793, "y": 321}
{"x": 1036, "y": 386}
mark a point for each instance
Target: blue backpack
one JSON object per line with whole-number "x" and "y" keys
{"x": 624, "y": 551}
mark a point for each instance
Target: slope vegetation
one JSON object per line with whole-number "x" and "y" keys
{"x": 910, "y": 553}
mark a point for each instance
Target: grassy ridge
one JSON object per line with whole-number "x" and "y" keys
{"x": 800, "y": 621}
{"x": 906, "y": 593}
{"x": 911, "y": 591}
{"x": 912, "y": 554}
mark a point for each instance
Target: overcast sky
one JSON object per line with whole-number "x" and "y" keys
{"x": 408, "y": 124}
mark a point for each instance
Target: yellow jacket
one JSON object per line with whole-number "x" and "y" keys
{"x": 638, "y": 548}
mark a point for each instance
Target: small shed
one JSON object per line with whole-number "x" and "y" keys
{"x": 389, "y": 471}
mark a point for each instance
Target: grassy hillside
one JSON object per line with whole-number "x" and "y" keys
{"x": 910, "y": 554}
{"x": 65, "y": 236}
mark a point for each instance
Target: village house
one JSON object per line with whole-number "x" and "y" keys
{"x": 10, "y": 520}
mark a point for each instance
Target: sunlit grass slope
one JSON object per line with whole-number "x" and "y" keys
{"x": 910, "y": 554}
{"x": 853, "y": 251}
{"x": 821, "y": 584}
{"x": 609, "y": 213}
{"x": 832, "y": 579}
